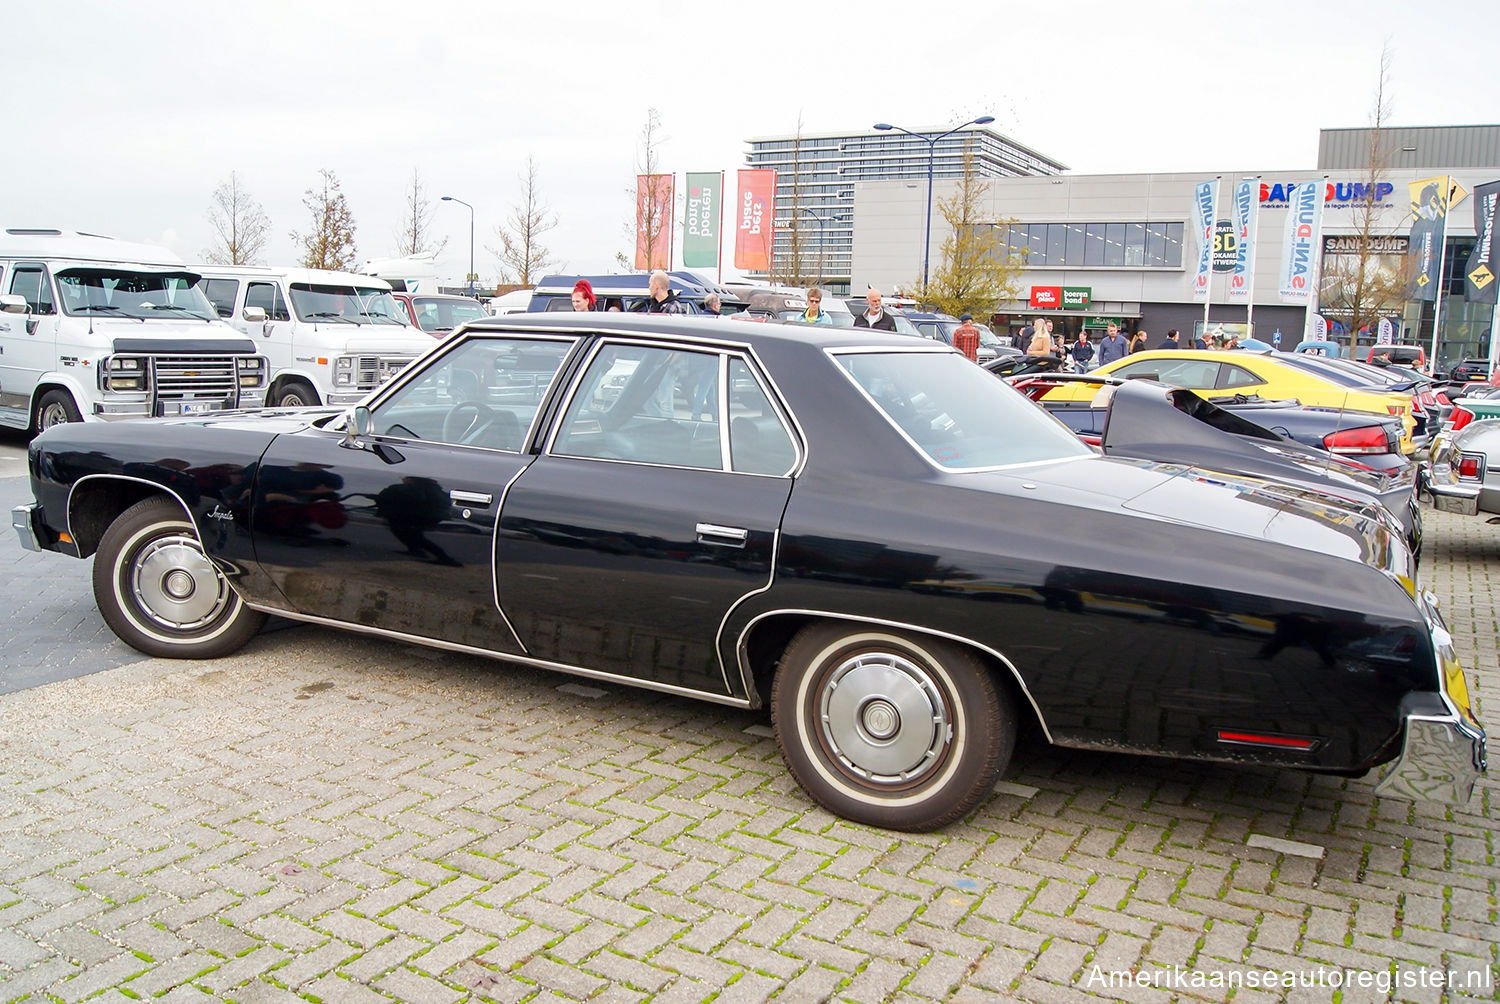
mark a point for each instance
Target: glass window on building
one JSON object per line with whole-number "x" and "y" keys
{"x": 1135, "y": 243}
{"x": 1114, "y": 244}
{"x": 1093, "y": 245}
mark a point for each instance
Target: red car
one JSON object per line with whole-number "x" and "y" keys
{"x": 439, "y": 313}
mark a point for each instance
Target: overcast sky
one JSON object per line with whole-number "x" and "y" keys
{"x": 124, "y": 117}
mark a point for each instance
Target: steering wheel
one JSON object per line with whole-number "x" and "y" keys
{"x": 465, "y": 418}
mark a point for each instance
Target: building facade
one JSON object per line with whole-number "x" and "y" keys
{"x": 1124, "y": 247}
{"x": 816, "y": 176}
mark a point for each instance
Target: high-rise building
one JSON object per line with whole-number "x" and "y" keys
{"x": 816, "y": 174}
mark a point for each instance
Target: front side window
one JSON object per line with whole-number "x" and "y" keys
{"x": 647, "y": 404}
{"x": 958, "y": 415}
{"x": 267, "y": 296}
{"x": 1194, "y": 374}
{"x": 30, "y": 281}
{"x": 484, "y": 392}
{"x": 123, "y": 293}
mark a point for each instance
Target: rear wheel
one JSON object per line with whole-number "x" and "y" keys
{"x": 892, "y": 730}
{"x": 160, "y": 593}
{"x": 55, "y": 407}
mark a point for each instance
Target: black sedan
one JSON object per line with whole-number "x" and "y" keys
{"x": 899, "y": 555}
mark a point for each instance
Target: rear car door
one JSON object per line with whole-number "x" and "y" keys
{"x": 624, "y": 546}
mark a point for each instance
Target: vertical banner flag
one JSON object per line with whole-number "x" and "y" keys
{"x": 1304, "y": 218}
{"x": 700, "y": 228}
{"x": 1479, "y": 272}
{"x": 1429, "y": 220}
{"x": 653, "y": 220}
{"x": 1206, "y": 211}
{"x": 757, "y": 212}
{"x": 1246, "y": 209}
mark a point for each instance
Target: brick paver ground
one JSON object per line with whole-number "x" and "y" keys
{"x": 328, "y": 817}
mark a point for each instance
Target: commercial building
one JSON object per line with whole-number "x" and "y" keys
{"x": 816, "y": 175}
{"x": 1123, "y": 246}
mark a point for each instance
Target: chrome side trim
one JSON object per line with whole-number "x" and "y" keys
{"x": 635, "y": 683}
{"x": 495, "y": 550}
{"x": 751, "y": 698}
{"x": 742, "y": 654}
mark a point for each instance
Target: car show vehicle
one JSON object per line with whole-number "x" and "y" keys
{"x": 331, "y": 337}
{"x": 439, "y": 313}
{"x": 1270, "y": 375}
{"x": 857, "y": 530}
{"x": 1400, "y": 355}
{"x": 1466, "y": 370}
{"x": 1394, "y": 380}
{"x": 1462, "y": 471}
{"x": 96, "y": 329}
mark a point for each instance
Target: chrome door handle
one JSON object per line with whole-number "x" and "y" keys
{"x": 716, "y": 534}
{"x": 471, "y": 498}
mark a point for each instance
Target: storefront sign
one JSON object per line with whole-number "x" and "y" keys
{"x": 1353, "y": 244}
{"x": 1076, "y": 297}
{"x": 1061, "y": 297}
{"x": 1043, "y": 297}
{"x": 1337, "y": 193}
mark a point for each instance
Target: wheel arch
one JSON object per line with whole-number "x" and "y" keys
{"x": 68, "y": 385}
{"x": 766, "y": 637}
{"x": 280, "y": 380}
{"x": 97, "y": 500}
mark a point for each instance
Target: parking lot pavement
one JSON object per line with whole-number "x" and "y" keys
{"x": 330, "y": 817}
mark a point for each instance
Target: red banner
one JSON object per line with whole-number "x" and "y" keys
{"x": 755, "y": 227}
{"x": 653, "y": 220}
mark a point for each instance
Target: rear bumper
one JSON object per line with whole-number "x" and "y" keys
{"x": 1437, "y": 479}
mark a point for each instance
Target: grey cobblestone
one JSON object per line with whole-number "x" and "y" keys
{"x": 432, "y": 827}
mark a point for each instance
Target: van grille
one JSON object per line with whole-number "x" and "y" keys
{"x": 179, "y": 378}
{"x": 376, "y": 370}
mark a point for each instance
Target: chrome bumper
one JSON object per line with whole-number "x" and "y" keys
{"x": 1439, "y": 480}
{"x": 20, "y": 521}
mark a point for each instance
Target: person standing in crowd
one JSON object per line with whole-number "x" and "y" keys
{"x": 1231, "y": 341}
{"x": 583, "y": 295}
{"x": 1138, "y": 341}
{"x": 663, "y": 298}
{"x": 815, "y": 314}
{"x": 1040, "y": 344}
{"x": 966, "y": 337}
{"x": 1199, "y": 342}
{"x": 1113, "y": 345}
{"x": 1082, "y": 352}
{"x": 712, "y": 305}
{"x": 874, "y": 316}
{"x": 1170, "y": 341}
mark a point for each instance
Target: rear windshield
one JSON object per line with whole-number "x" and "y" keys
{"x": 956, "y": 414}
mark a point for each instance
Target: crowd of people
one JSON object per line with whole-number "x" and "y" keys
{"x": 1082, "y": 355}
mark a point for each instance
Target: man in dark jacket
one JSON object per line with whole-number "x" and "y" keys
{"x": 663, "y": 298}
{"x": 1170, "y": 342}
{"x": 874, "y": 316}
{"x": 1113, "y": 346}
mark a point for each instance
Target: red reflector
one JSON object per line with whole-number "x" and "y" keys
{"x": 1461, "y": 417}
{"x": 1257, "y": 739}
{"x": 1468, "y": 466}
{"x": 1369, "y": 439}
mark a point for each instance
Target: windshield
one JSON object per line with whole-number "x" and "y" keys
{"x": 113, "y": 292}
{"x": 346, "y": 304}
{"x": 435, "y": 314}
{"x": 957, "y": 414}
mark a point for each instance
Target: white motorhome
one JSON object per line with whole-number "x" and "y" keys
{"x": 93, "y": 328}
{"x": 331, "y": 337}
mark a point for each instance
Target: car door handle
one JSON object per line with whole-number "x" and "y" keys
{"x": 471, "y": 498}
{"x": 712, "y": 533}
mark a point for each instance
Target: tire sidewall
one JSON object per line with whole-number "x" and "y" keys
{"x": 304, "y": 395}
{"x": 981, "y": 715}
{"x": 63, "y": 400}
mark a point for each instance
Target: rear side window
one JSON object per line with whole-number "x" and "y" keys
{"x": 267, "y": 296}
{"x": 221, "y": 293}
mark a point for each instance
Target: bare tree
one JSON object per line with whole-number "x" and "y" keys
{"x": 240, "y": 223}
{"x": 330, "y": 241}
{"x": 523, "y": 257}
{"x": 415, "y": 235}
{"x": 975, "y": 273}
{"x": 653, "y": 220}
{"x": 1369, "y": 282}
{"x": 795, "y": 269}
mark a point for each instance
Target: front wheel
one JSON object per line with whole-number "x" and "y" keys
{"x": 55, "y": 407}
{"x": 897, "y": 731}
{"x": 160, "y": 593}
{"x": 294, "y": 394}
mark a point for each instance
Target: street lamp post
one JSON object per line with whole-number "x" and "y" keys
{"x": 822, "y": 220}
{"x": 471, "y": 277}
{"x": 932, "y": 142}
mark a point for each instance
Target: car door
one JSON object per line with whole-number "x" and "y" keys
{"x": 395, "y": 531}
{"x": 29, "y": 339}
{"x": 624, "y": 546}
{"x": 274, "y": 336}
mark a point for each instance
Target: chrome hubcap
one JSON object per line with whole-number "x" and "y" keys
{"x": 884, "y": 719}
{"x": 176, "y": 585}
{"x": 53, "y": 414}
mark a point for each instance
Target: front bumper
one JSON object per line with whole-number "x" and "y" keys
{"x": 20, "y": 521}
{"x": 1443, "y": 748}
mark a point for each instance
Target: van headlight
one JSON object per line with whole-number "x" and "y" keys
{"x": 343, "y": 371}
{"x": 252, "y": 371}
{"x": 123, "y": 373}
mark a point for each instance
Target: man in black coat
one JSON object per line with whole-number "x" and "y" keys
{"x": 874, "y": 316}
{"x": 1170, "y": 342}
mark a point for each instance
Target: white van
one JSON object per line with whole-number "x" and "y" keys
{"x": 93, "y": 328}
{"x": 331, "y": 337}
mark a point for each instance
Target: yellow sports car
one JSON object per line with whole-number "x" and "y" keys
{"x": 1211, "y": 373}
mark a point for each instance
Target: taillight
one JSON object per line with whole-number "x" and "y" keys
{"x": 1470, "y": 466}
{"x": 1369, "y": 439}
{"x": 1395, "y": 409}
{"x": 1443, "y": 399}
{"x": 1428, "y": 398}
{"x": 1461, "y": 417}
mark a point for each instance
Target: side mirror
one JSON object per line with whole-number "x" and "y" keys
{"x": 254, "y": 313}
{"x": 357, "y": 424}
{"x": 12, "y": 303}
